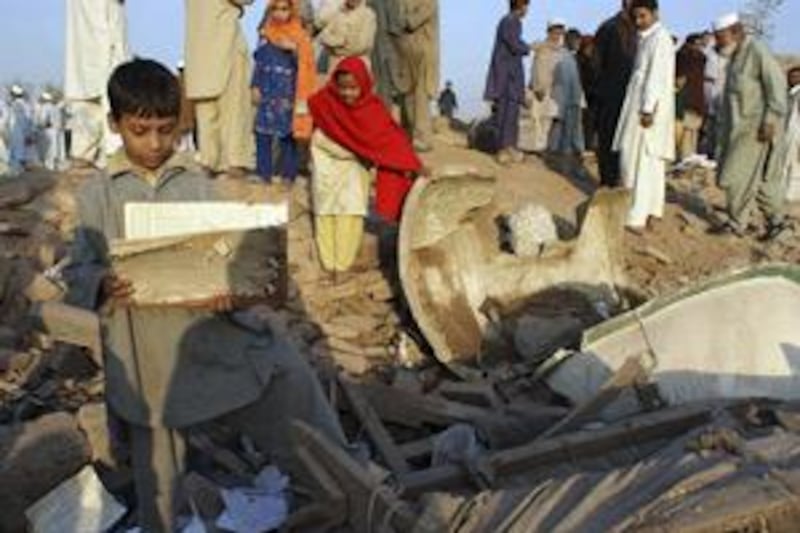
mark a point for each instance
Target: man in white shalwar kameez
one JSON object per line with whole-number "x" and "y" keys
{"x": 645, "y": 136}
{"x": 5, "y": 117}
{"x": 97, "y": 43}
{"x": 50, "y": 126}
{"x": 792, "y": 165}
{"x": 20, "y": 131}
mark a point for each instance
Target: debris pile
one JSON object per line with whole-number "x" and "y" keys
{"x": 506, "y": 397}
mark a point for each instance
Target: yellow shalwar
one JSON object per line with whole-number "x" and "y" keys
{"x": 340, "y": 194}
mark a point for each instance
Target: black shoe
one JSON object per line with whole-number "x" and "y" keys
{"x": 776, "y": 230}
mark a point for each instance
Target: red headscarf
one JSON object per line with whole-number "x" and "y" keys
{"x": 367, "y": 129}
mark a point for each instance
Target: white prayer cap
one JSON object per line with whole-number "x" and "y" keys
{"x": 17, "y": 90}
{"x": 181, "y": 64}
{"x": 555, "y": 23}
{"x": 726, "y": 21}
{"x": 47, "y": 97}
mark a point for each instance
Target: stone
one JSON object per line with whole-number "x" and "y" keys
{"x": 537, "y": 337}
{"x": 93, "y": 421}
{"x": 37, "y": 456}
{"x": 531, "y": 228}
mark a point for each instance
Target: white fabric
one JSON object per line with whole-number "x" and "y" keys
{"x": 566, "y": 134}
{"x": 5, "y": 117}
{"x": 20, "y": 130}
{"x": 88, "y": 126}
{"x": 97, "y": 43}
{"x": 715, "y": 78}
{"x": 792, "y": 165}
{"x": 726, "y": 21}
{"x": 556, "y": 22}
{"x": 324, "y": 11}
{"x": 644, "y": 152}
{"x": 50, "y": 125}
{"x": 340, "y": 182}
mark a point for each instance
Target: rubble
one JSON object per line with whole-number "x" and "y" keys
{"x": 509, "y": 448}
{"x": 36, "y": 457}
{"x": 459, "y": 282}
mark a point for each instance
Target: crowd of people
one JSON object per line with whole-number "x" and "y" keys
{"x": 643, "y": 104}
{"x": 32, "y": 132}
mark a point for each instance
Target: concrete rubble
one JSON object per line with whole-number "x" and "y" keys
{"x": 488, "y": 390}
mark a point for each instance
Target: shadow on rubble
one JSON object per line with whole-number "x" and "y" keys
{"x": 694, "y": 204}
{"x": 573, "y": 169}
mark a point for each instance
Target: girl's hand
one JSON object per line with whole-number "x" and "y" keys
{"x": 646, "y": 120}
{"x": 286, "y": 44}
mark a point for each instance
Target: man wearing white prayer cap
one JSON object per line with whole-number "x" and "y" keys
{"x": 20, "y": 130}
{"x": 544, "y": 109}
{"x": 751, "y": 132}
{"x": 726, "y": 21}
{"x": 49, "y": 121}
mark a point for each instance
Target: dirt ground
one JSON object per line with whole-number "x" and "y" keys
{"x": 676, "y": 251}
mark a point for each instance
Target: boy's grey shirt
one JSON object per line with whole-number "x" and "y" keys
{"x": 168, "y": 367}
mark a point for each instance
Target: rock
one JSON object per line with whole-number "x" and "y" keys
{"x": 651, "y": 251}
{"x": 530, "y": 229}
{"x": 41, "y": 289}
{"x": 537, "y": 337}
{"x": 37, "y": 456}
{"x": 93, "y": 421}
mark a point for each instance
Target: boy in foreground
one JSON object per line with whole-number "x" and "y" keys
{"x": 170, "y": 369}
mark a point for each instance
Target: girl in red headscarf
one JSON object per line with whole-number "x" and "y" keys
{"x": 354, "y": 132}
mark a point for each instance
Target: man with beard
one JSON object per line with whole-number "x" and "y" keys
{"x": 751, "y": 129}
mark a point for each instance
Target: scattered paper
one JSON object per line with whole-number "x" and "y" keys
{"x": 81, "y": 503}
{"x": 263, "y": 507}
{"x": 155, "y": 220}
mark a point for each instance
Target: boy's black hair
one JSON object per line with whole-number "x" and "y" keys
{"x": 516, "y": 4}
{"x": 144, "y": 88}
{"x": 652, "y": 5}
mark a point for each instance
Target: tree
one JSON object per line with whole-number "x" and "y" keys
{"x": 759, "y": 15}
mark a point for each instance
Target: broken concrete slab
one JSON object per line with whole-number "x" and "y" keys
{"x": 454, "y": 270}
{"x": 737, "y": 336}
{"x": 72, "y": 325}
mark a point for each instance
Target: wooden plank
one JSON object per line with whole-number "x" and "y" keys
{"x": 249, "y": 266}
{"x": 369, "y": 503}
{"x": 417, "y": 410}
{"x": 629, "y": 374}
{"x": 562, "y": 449}
{"x": 329, "y": 509}
{"x": 418, "y": 448}
{"x": 379, "y": 435}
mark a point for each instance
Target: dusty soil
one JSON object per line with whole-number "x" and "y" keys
{"x": 676, "y": 251}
